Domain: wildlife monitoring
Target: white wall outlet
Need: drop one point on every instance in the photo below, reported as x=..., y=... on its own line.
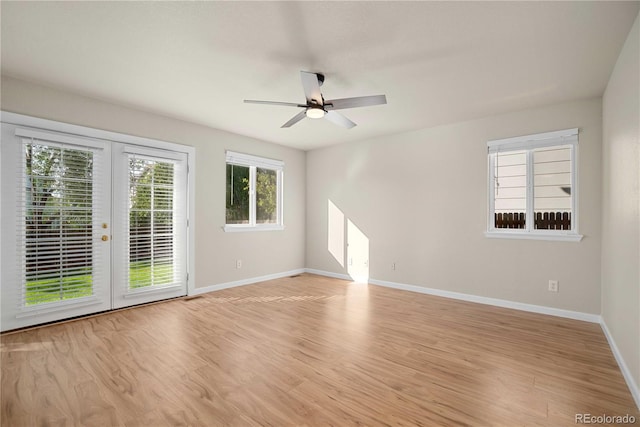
x=238, y=263
x=393, y=265
x=553, y=286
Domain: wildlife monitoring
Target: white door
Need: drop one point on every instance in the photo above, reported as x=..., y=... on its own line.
x=88, y=225
x=150, y=225
x=55, y=215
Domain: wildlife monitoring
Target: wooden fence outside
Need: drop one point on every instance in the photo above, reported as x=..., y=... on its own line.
x=543, y=220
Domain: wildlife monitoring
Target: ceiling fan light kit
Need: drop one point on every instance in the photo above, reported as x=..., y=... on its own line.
x=316, y=107
x=315, y=112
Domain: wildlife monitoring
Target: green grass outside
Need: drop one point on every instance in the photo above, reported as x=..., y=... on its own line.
x=140, y=274
x=80, y=285
x=48, y=290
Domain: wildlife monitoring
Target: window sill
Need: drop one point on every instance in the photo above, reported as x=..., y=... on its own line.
x=572, y=237
x=244, y=228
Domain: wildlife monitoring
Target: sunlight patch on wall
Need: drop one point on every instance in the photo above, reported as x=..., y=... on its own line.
x=357, y=253
x=335, y=232
x=349, y=236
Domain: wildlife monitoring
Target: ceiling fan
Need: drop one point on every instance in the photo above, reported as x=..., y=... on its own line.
x=316, y=106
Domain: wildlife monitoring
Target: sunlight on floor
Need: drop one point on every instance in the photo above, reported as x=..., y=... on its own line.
x=266, y=299
x=357, y=310
x=26, y=346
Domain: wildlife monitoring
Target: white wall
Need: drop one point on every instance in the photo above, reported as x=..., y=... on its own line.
x=262, y=253
x=621, y=205
x=391, y=189
x=421, y=200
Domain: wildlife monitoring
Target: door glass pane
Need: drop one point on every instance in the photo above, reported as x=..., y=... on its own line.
x=266, y=196
x=151, y=223
x=58, y=223
x=510, y=190
x=237, y=194
x=552, y=188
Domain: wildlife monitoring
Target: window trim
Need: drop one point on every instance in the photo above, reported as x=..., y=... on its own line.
x=528, y=143
x=253, y=163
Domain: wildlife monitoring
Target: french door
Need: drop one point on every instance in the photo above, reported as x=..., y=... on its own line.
x=150, y=223
x=88, y=225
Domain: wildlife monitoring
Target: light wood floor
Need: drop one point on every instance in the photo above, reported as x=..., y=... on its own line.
x=311, y=351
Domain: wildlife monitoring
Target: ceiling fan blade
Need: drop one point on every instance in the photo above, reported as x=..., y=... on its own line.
x=311, y=87
x=295, y=119
x=339, y=119
x=286, y=104
x=358, y=101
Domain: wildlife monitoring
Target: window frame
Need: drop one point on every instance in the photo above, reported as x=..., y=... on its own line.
x=254, y=163
x=98, y=277
x=178, y=233
x=528, y=143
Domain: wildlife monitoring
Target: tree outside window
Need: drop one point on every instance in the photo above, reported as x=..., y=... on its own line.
x=253, y=192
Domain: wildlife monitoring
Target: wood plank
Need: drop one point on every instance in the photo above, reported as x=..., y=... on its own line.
x=311, y=351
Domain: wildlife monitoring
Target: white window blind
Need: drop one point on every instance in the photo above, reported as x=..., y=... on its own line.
x=59, y=193
x=156, y=251
x=249, y=160
x=547, y=139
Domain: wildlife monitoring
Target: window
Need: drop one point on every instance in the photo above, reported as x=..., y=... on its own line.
x=57, y=210
x=150, y=242
x=533, y=186
x=152, y=227
x=254, y=193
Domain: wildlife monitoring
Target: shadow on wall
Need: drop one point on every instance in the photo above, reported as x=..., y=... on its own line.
x=343, y=234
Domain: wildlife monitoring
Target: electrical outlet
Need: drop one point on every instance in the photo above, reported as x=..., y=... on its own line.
x=238, y=263
x=553, y=286
x=393, y=265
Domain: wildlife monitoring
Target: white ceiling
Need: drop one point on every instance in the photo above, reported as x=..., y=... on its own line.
x=437, y=62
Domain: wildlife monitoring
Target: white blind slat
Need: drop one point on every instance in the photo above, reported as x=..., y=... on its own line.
x=57, y=140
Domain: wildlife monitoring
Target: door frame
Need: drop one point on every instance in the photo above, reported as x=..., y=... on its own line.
x=8, y=272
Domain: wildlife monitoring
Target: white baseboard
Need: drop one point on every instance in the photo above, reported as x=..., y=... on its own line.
x=328, y=274
x=626, y=373
x=249, y=281
x=577, y=315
